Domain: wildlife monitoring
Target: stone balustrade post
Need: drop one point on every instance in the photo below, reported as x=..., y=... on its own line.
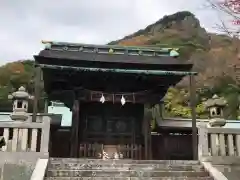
x=202, y=142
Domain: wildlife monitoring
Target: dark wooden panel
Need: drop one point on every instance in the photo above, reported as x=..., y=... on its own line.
x=60, y=143
x=172, y=146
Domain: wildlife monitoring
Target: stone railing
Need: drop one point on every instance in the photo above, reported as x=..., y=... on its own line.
x=26, y=142
x=40, y=170
x=26, y=136
x=219, y=145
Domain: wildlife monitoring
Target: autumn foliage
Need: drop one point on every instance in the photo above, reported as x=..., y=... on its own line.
x=215, y=57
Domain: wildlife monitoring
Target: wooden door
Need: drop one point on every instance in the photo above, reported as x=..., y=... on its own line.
x=113, y=126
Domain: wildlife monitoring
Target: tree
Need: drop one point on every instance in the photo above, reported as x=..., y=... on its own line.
x=230, y=9
x=177, y=104
x=229, y=13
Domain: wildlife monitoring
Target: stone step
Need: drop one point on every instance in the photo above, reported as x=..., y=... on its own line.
x=77, y=166
x=127, y=178
x=121, y=161
x=130, y=173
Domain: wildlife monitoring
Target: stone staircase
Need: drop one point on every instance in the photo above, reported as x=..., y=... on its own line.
x=85, y=169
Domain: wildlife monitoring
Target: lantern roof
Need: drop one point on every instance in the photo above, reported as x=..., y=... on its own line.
x=215, y=101
x=20, y=94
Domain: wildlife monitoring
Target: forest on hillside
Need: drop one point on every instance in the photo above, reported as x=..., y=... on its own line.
x=214, y=56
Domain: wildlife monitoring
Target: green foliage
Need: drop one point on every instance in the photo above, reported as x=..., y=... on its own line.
x=177, y=104
x=177, y=101
x=231, y=92
x=13, y=75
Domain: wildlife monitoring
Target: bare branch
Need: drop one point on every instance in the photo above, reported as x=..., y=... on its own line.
x=230, y=8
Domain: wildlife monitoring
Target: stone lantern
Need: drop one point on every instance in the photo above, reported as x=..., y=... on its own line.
x=215, y=106
x=20, y=104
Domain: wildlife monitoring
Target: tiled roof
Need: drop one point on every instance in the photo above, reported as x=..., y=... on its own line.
x=111, y=49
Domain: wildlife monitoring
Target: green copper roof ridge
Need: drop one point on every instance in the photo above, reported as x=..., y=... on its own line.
x=116, y=70
x=148, y=48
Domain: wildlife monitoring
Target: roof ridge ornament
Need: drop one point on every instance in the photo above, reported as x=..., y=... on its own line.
x=174, y=53
x=48, y=44
x=110, y=51
x=22, y=89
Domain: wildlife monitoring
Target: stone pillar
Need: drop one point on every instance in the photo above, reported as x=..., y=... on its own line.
x=202, y=141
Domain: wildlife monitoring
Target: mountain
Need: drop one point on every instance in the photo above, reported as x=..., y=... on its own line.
x=215, y=57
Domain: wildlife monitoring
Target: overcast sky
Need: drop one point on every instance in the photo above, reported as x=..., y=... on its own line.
x=24, y=23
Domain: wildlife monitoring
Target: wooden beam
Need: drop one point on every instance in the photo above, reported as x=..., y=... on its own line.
x=147, y=98
x=109, y=86
x=194, y=120
x=153, y=97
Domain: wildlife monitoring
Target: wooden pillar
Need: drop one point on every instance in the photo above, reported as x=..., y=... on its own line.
x=149, y=139
x=147, y=131
x=133, y=141
x=74, y=130
x=145, y=139
x=77, y=129
x=36, y=93
x=194, y=120
x=144, y=128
